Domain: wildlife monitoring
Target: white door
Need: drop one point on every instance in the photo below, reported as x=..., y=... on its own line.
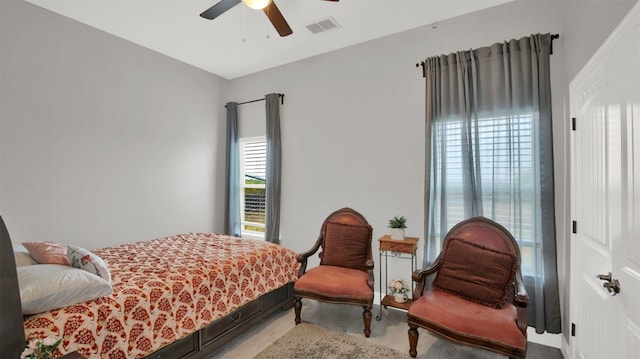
x=605, y=198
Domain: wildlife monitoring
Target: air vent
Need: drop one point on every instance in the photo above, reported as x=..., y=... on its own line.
x=323, y=25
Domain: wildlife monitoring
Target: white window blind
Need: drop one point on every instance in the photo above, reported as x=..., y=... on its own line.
x=503, y=154
x=253, y=160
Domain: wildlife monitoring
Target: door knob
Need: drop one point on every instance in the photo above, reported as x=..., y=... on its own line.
x=612, y=285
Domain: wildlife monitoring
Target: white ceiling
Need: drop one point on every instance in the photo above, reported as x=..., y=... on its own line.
x=242, y=41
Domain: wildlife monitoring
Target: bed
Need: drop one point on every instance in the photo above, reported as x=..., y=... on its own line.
x=176, y=297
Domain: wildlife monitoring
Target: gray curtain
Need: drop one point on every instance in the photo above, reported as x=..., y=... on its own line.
x=274, y=166
x=232, y=219
x=489, y=153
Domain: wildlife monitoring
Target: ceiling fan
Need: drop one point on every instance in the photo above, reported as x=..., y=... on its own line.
x=268, y=6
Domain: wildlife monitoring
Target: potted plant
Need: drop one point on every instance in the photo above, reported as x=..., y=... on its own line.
x=398, y=288
x=41, y=349
x=397, y=225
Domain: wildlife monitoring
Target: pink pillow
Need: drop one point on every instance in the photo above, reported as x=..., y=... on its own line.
x=48, y=252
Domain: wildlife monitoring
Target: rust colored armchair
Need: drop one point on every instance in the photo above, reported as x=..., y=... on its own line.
x=345, y=273
x=477, y=297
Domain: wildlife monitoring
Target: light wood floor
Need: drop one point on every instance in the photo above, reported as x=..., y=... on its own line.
x=390, y=331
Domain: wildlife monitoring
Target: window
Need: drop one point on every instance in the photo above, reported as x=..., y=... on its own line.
x=502, y=156
x=253, y=161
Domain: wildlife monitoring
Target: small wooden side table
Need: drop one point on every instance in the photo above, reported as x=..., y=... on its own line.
x=404, y=249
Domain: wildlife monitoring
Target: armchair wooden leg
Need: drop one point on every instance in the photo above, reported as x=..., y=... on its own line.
x=413, y=340
x=366, y=315
x=297, y=305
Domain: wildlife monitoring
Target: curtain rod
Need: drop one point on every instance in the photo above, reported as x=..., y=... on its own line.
x=553, y=37
x=281, y=95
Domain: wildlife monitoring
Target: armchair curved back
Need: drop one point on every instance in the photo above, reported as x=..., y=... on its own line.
x=353, y=224
x=486, y=233
x=344, y=215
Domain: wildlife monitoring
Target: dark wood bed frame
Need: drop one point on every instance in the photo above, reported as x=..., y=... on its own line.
x=210, y=338
x=197, y=345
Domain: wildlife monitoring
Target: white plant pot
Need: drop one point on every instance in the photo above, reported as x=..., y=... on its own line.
x=397, y=233
x=399, y=297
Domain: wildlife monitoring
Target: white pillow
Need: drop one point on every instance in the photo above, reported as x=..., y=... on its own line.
x=50, y=286
x=89, y=261
x=22, y=256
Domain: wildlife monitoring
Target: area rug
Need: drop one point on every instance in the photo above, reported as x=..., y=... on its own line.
x=311, y=341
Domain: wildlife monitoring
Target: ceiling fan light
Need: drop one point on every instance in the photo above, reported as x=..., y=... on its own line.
x=256, y=4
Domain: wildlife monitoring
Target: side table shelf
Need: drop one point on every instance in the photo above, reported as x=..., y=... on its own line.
x=388, y=301
x=402, y=249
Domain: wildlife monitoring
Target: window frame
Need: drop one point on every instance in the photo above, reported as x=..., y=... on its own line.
x=243, y=186
x=451, y=127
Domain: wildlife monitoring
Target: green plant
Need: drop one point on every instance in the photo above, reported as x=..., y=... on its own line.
x=41, y=349
x=398, y=222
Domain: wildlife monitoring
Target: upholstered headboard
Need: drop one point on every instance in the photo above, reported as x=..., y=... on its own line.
x=12, y=338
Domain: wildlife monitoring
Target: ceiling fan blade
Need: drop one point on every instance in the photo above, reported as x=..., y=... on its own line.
x=278, y=21
x=219, y=9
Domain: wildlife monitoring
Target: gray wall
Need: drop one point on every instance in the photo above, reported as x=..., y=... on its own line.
x=353, y=122
x=102, y=141
x=353, y=119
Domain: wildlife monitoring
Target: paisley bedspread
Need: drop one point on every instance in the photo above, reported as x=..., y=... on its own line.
x=164, y=290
